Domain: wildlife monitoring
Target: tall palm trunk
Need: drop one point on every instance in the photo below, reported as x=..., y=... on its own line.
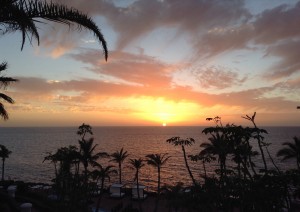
x=101, y=194
x=187, y=165
x=3, y=161
x=158, y=189
x=158, y=181
x=204, y=168
x=120, y=173
x=138, y=189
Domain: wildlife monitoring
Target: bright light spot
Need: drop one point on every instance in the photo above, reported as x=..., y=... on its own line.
x=164, y=111
x=164, y=124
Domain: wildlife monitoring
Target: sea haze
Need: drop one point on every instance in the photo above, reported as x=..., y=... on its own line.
x=29, y=146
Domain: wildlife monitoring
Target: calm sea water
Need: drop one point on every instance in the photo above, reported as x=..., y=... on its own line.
x=29, y=146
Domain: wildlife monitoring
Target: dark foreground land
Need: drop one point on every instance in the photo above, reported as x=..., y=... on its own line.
x=41, y=203
x=39, y=198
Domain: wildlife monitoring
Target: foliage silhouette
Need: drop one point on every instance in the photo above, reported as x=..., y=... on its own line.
x=177, y=141
x=157, y=161
x=292, y=150
x=4, y=82
x=137, y=164
x=101, y=173
x=119, y=157
x=4, y=153
x=23, y=15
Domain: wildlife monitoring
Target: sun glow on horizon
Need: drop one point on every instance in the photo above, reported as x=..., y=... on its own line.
x=160, y=110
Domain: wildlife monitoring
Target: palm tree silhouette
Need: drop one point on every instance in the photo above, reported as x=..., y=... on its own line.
x=87, y=148
x=88, y=155
x=5, y=81
x=157, y=161
x=291, y=151
x=102, y=173
x=119, y=157
x=204, y=157
x=23, y=15
x=137, y=164
x=4, y=153
x=65, y=157
x=177, y=141
x=218, y=146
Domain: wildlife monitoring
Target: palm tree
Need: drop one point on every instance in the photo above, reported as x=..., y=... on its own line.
x=218, y=146
x=291, y=151
x=119, y=157
x=87, y=148
x=4, y=153
x=102, y=173
x=23, y=15
x=87, y=155
x=4, y=81
x=137, y=164
x=205, y=157
x=177, y=141
x=65, y=157
x=157, y=161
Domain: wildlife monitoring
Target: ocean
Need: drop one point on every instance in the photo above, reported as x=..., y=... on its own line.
x=29, y=146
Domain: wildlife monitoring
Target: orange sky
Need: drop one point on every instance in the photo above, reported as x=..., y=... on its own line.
x=189, y=61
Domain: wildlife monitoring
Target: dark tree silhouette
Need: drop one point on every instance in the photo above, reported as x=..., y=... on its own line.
x=137, y=164
x=259, y=138
x=4, y=153
x=204, y=157
x=157, y=161
x=83, y=130
x=218, y=146
x=177, y=141
x=23, y=15
x=119, y=157
x=292, y=150
x=102, y=173
x=5, y=81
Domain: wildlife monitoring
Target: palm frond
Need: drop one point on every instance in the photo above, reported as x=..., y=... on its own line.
x=62, y=14
x=3, y=112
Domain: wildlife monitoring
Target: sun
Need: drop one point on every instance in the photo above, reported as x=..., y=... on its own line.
x=164, y=124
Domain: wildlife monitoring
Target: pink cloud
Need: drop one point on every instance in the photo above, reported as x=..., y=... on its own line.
x=90, y=90
x=138, y=69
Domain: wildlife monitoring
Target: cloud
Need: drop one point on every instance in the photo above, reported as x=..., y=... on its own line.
x=129, y=68
x=86, y=94
x=58, y=39
x=217, y=77
x=137, y=19
x=289, y=64
x=277, y=24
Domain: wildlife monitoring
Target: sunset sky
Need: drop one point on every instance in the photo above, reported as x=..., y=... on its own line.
x=170, y=61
